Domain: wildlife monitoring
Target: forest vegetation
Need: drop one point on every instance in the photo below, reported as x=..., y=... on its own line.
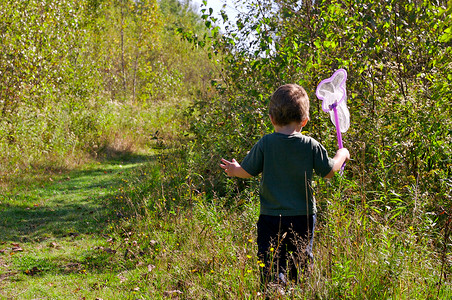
x=139, y=100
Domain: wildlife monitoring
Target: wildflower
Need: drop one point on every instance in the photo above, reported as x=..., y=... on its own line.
x=272, y=249
x=248, y=256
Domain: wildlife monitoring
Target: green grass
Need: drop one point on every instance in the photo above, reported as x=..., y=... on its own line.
x=108, y=231
x=52, y=232
x=134, y=228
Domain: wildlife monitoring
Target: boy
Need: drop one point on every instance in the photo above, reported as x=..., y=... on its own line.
x=286, y=159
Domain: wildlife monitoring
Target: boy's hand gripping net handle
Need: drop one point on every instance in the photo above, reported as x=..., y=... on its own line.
x=332, y=92
x=338, y=132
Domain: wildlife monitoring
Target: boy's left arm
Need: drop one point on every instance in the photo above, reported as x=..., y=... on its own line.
x=233, y=169
x=342, y=155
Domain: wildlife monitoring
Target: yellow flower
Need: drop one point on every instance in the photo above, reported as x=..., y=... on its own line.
x=261, y=265
x=272, y=249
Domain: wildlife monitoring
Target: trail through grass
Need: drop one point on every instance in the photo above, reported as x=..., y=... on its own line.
x=132, y=228
x=52, y=232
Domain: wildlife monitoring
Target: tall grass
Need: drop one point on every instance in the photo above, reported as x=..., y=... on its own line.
x=61, y=138
x=168, y=238
x=197, y=246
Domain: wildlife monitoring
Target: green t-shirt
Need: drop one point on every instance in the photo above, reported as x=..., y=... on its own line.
x=287, y=163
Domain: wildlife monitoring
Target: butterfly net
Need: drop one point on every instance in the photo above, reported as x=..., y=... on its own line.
x=333, y=93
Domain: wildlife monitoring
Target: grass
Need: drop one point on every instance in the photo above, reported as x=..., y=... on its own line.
x=132, y=228
x=52, y=230
x=79, y=235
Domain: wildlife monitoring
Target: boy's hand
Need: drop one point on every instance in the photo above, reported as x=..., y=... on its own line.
x=233, y=169
x=342, y=155
x=343, y=152
x=229, y=166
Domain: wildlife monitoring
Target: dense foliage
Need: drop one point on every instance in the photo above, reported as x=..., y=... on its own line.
x=397, y=55
x=398, y=62
x=78, y=76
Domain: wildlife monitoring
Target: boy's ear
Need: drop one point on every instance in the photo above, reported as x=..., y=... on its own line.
x=304, y=122
x=271, y=119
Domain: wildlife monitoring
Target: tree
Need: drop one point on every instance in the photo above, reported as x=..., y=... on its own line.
x=398, y=64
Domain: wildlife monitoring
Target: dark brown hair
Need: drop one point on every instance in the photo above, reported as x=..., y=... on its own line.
x=289, y=103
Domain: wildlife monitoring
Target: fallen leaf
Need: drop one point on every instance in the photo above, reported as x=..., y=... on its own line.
x=72, y=267
x=172, y=294
x=53, y=245
x=150, y=268
x=32, y=271
x=121, y=278
x=110, y=251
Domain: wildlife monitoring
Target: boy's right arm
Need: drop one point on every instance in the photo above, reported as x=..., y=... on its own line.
x=233, y=169
x=342, y=155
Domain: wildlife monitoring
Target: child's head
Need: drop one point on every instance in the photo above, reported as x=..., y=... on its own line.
x=289, y=103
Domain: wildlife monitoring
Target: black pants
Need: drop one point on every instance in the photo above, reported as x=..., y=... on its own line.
x=285, y=245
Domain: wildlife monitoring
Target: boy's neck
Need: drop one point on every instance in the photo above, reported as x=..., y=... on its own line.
x=288, y=129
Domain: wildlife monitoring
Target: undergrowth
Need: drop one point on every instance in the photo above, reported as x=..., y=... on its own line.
x=156, y=236
x=197, y=246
